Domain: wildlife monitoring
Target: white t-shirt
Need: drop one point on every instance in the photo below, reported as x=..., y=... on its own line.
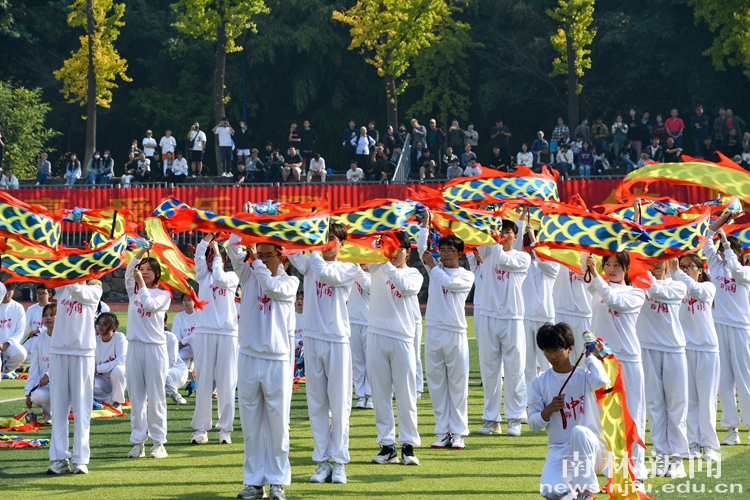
x=732, y=304
x=218, y=288
x=38, y=360
x=180, y=167
x=570, y=295
x=658, y=325
x=225, y=136
x=112, y=353
x=34, y=317
x=183, y=326
x=168, y=144
x=74, y=333
x=317, y=165
x=355, y=175
x=12, y=322
x=358, y=305
x=614, y=312
x=472, y=172
x=146, y=309
x=537, y=290
x=696, y=314
x=503, y=275
x=526, y=159
x=446, y=299
x=392, y=291
x=149, y=146
x=200, y=140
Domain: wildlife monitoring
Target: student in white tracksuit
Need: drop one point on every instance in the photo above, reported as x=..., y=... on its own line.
x=665, y=370
x=577, y=450
x=12, y=324
x=446, y=351
x=214, y=344
x=147, y=362
x=391, y=364
x=499, y=331
x=572, y=302
x=178, y=371
x=71, y=369
x=732, y=321
x=37, y=385
x=614, y=311
x=358, y=308
x=265, y=383
x=34, y=317
x=328, y=360
x=702, y=352
x=110, y=380
x=183, y=326
x=539, y=306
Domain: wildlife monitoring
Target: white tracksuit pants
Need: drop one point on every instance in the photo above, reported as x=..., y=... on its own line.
x=446, y=360
x=666, y=379
x=534, y=355
x=146, y=366
x=41, y=399
x=358, y=345
x=186, y=353
x=177, y=377
x=328, y=370
x=502, y=350
x=418, y=356
x=632, y=374
x=264, y=389
x=215, y=358
x=110, y=387
x=391, y=366
x=734, y=356
x=71, y=384
x=578, y=324
x=12, y=358
x=703, y=386
x=562, y=474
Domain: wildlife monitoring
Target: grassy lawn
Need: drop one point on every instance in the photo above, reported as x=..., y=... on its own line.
x=491, y=466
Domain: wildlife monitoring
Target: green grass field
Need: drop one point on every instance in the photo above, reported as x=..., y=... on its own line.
x=491, y=466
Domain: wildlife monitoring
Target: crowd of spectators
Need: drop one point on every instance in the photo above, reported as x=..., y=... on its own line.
x=630, y=142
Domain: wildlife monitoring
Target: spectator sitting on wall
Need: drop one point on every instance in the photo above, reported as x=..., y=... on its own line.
x=179, y=169
x=317, y=168
x=655, y=151
x=106, y=168
x=525, y=157
x=373, y=172
x=545, y=157
x=240, y=175
x=454, y=170
x=9, y=180
x=72, y=170
x=292, y=166
x=92, y=169
x=274, y=166
x=565, y=162
x=143, y=169
x=472, y=169
x=254, y=167
x=354, y=174
x=449, y=158
x=672, y=153
x=497, y=160
x=43, y=170
x=732, y=145
x=467, y=156
x=166, y=170
x=427, y=169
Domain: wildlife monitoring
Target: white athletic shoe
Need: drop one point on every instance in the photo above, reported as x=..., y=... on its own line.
x=252, y=492
x=710, y=454
x=659, y=466
x=514, y=427
x=695, y=451
x=361, y=403
x=199, y=437
x=178, y=399
x=457, y=442
x=277, y=492
x=490, y=428
x=225, y=437
x=80, y=469
x=407, y=455
x=368, y=404
x=387, y=455
x=138, y=451
x=322, y=473
x=441, y=441
x=338, y=474
x=733, y=437
x=525, y=421
x=677, y=469
x=158, y=451
x=58, y=467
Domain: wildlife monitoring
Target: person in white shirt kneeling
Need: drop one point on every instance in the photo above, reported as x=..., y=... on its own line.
x=111, y=352
x=37, y=385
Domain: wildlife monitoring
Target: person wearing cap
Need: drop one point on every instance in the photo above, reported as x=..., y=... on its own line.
x=149, y=145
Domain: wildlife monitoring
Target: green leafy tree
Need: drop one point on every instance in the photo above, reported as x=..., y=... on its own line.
x=394, y=32
x=22, y=115
x=574, y=35
x=730, y=19
x=220, y=21
x=89, y=75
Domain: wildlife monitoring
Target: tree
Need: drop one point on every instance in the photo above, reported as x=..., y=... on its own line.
x=89, y=75
x=395, y=31
x=220, y=21
x=22, y=114
x=731, y=18
x=573, y=37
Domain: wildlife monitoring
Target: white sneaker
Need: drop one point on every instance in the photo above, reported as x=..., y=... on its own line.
x=457, y=442
x=138, y=451
x=441, y=441
x=322, y=473
x=252, y=492
x=80, y=469
x=178, y=399
x=225, y=437
x=710, y=454
x=199, y=437
x=338, y=474
x=659, y=466
x=733, y=437
x=677, y=469
x=695, y=451
x=525, y=421
x=277, y=492
x=514, y=427
x=368, y=403
x=361, y=402
x=158, y=451
x=387, y=455
x=490, y=428
x=407, y=455
x=58, y=467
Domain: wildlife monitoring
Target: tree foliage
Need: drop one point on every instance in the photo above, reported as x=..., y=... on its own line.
x=573, y=37
x=23, y=114
x=731, y=20
x=108, y=65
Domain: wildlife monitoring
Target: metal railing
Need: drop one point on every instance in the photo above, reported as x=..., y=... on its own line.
x=404, y=163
